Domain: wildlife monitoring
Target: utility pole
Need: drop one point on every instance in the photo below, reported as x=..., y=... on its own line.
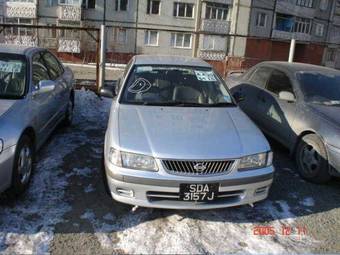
x=136, y=25
x=292, y=51
x=102, y=57
x=104, y=14
x=197, y=28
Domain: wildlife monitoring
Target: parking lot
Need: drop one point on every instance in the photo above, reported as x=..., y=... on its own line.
x=67, y=211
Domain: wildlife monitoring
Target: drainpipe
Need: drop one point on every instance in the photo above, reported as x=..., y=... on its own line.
x=197, y=28
x=104, y=13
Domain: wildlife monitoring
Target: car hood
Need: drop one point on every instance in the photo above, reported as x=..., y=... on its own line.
x=331, y=113
x=188, y=132
x=5, y=105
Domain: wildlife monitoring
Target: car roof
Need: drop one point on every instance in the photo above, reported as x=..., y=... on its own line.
x=17, y=49
x=297, y=67
x=169, y=60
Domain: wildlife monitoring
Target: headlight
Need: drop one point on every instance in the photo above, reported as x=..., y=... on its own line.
x=256, y=161
x=131, y=160
x=1, y=145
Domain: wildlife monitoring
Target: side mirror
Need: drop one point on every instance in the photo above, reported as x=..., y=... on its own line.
x=107, y=91
x=45, y=86
x=287, y=96
x=239, y=97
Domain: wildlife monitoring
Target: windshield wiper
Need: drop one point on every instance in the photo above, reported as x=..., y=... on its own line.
x=221, y=104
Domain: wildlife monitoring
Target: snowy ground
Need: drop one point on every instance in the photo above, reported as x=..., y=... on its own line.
x=67, y=211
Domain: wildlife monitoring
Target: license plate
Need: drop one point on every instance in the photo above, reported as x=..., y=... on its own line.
x=198, y=192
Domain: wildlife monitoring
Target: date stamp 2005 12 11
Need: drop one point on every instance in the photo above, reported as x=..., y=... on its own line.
x=285, y=230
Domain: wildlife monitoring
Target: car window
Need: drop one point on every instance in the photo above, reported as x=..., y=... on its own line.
x=13, y=70
x=39, y=70
x=52, y=65
x=260, y=76
x=322, y=87
x=174, y=85
x=279, y=82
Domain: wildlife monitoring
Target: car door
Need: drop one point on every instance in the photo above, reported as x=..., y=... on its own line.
x=44, y=103
x=277, y=115
x=61, y=90
x=250, y=89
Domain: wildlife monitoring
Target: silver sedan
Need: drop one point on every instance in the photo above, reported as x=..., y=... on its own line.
x=177, y=139
x=36, y=94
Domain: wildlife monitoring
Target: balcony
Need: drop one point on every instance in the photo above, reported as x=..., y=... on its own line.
x=68, y=45
x=20, y=10
x=212, y=55
x=215, y=26
x=24, y=40
x=278, y=34
x=290, y=7
x=69, y=12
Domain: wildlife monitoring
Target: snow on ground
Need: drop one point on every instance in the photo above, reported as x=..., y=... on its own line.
x=28, y=225
x=308, y=201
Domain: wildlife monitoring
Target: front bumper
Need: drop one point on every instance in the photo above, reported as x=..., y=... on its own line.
x=6, y=166
x=334, y=159
x=161, y=190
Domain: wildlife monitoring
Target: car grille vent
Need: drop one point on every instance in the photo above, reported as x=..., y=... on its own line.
x=197, y=168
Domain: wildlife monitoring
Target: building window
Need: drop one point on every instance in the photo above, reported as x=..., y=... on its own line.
x=330, y=55
x=305, y=3
x=122, y=5
x=69, y=2
x=323, y=5
x=284, y=22
x=216, y=11
x=302, y=25
x=89, y=4
x=181, y=40
x=23, y=31
x=151, y=38
x=154, y=7
x=183, y=10
x=261, y=19
x=319, y=29
x=120, y=35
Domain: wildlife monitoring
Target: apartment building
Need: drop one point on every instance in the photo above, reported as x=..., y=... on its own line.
x=262, y=29
x=273, y=23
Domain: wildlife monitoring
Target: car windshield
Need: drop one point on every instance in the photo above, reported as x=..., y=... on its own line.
x=320, y=87
x=12, y=76
x=175, y=86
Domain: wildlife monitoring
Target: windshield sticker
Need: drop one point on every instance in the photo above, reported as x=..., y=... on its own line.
x=10, y=67
x=141, y=85
x=143, y=69
x=205, y=75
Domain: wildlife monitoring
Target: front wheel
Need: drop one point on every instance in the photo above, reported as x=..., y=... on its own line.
x=312, y=160
x=23, y=165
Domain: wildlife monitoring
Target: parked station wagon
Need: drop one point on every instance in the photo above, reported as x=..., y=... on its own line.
x=36, y=94
x=177, y=139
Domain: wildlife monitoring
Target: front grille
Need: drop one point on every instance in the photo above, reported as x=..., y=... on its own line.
x=180, y=167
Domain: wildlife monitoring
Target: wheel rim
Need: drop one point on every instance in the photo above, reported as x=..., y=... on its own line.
x=70, y=111
x=310, y=160
x=25, y=164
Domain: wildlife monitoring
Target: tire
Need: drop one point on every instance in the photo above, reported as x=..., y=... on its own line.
x=69, y=113
x=312, y=159
x=23, y=166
